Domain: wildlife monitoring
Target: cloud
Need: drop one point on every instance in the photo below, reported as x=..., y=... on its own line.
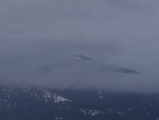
x=38, y=40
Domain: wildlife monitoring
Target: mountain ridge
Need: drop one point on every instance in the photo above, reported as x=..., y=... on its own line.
x=51, y=104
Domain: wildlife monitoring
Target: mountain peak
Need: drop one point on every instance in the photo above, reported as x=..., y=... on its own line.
x=82, y=57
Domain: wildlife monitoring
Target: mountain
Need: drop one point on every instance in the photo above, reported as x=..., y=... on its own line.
x=86, y=63
x=102, y=66
x=27, y=103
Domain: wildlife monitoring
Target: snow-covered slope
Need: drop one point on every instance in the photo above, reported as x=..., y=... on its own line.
x=17, y=103
x=47, y=95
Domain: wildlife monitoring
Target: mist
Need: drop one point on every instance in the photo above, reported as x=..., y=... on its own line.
x=44, y=43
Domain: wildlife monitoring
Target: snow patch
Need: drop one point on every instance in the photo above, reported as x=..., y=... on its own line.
x=57, y=99
x=91, y=112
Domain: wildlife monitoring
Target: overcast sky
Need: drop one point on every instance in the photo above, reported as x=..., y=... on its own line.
x=38, y=39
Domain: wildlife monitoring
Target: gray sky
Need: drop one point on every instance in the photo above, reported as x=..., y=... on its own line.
x=40, y=38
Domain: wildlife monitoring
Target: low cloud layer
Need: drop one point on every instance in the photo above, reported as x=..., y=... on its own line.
x=40, y=40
